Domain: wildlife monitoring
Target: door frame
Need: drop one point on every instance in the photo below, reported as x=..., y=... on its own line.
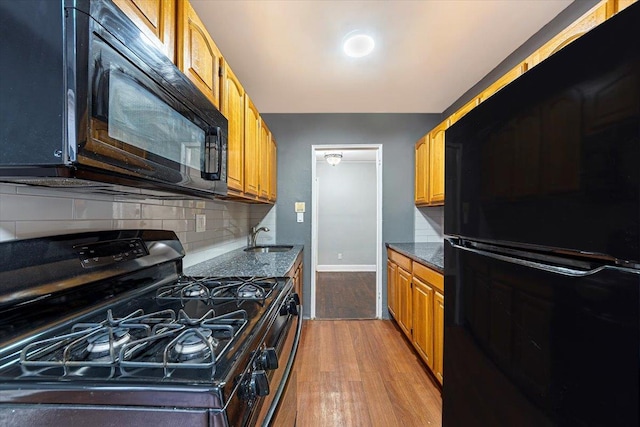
x=314, y=218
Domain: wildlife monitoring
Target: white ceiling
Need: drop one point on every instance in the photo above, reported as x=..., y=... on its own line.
x=288, y=54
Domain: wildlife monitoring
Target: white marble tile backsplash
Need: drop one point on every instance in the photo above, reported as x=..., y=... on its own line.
x=27, y=212
x=429, y=224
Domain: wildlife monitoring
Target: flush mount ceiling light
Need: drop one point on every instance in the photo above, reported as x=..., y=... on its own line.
x=333, y=158
x=357, y=45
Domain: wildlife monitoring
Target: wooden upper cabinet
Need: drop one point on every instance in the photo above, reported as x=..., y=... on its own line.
x=622, y=4
x=462, y=111
x=594, y=17
x=422, y=162
x=233, y=108
x=156, y=19
x=273, y=170
x=510, y=76
x=264, y=159
x=436, y=164
x=252, y=136
x=198, y=56
x=429, y=173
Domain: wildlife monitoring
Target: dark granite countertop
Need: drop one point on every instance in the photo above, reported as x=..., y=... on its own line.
x=240, y=263
x=429, y=254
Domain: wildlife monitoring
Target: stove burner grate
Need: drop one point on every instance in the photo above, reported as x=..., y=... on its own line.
x=218, y=290
x=90, y=344
x=184, y=344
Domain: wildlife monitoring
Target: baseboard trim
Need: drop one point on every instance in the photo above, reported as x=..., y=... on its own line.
x=345, y=268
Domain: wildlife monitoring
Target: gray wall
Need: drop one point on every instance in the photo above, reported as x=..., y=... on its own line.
x=296, y=133
x=346, y=213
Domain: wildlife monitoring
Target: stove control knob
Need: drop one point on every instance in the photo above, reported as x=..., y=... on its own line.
x=259, y=384
x=296, y=298
x=268, y=359
x=291, y=305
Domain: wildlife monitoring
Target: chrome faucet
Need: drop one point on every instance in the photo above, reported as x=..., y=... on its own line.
x=254, y=234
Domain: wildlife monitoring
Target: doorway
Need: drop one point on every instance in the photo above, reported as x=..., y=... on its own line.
x=346, y=242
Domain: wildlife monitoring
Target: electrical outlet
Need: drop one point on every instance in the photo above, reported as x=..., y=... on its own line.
x=339, y=255
x=201, y=223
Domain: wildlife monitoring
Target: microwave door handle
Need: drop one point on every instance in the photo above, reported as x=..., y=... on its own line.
x=564, y=271
x=211, y=169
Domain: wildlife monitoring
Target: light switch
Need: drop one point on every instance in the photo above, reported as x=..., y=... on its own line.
x=299, y=207
x=300, y=217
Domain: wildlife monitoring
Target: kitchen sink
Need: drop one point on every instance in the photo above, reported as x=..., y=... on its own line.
x=269, y=248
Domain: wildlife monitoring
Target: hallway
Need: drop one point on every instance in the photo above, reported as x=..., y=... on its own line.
x=346, y=295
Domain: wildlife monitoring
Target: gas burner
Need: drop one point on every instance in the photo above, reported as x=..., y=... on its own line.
x=183, y=291
x=100, y=344
x=240, y=289
x=195, y=290
x=250, y=291
x=194, y=343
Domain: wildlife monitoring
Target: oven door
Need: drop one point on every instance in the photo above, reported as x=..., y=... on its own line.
x=143, y=118
x=284, y=337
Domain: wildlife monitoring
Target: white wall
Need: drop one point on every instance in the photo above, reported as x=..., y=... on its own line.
x=429, y=224
x=346, y=215
x=27, y=212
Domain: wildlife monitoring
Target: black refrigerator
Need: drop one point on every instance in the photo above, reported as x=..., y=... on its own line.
x=542, y=242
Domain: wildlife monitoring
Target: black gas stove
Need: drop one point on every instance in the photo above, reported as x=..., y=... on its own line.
x=103, y=328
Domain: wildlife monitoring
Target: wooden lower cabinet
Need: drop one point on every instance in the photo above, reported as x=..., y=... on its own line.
x=438, y=336
x=415, y=295
x=392, y=288
x=423, y=323
x=405, y=315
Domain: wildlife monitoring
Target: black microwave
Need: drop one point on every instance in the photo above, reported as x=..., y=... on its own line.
x=90, y=103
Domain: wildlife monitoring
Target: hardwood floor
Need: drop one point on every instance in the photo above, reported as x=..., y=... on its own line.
x=362, y=373
x=346, y=295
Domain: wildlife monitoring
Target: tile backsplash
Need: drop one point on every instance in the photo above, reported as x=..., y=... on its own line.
x=27, y=212
x=429, y=224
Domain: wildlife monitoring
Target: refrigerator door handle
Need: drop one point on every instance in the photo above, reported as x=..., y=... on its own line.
x=565, y=271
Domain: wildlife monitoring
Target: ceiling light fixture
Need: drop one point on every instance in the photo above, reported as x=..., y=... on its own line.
x=357, y=45
x=333, y=158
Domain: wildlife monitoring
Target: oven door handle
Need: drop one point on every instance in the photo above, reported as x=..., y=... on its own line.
x=287, y=372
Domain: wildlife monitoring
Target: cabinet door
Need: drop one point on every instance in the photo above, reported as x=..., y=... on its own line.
x=404, y=301
x=273, y=170
x=392, y=289
x=264, y=159
x=156, y=19
x=436, y=165
x=623, y=4
x=462, y=111
x=423, y=334
x=438, y=336
x=507, y=78
x=422, y=165
x=594, y=17
x=233, y=109
x=198, y=56
x=251, y=147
